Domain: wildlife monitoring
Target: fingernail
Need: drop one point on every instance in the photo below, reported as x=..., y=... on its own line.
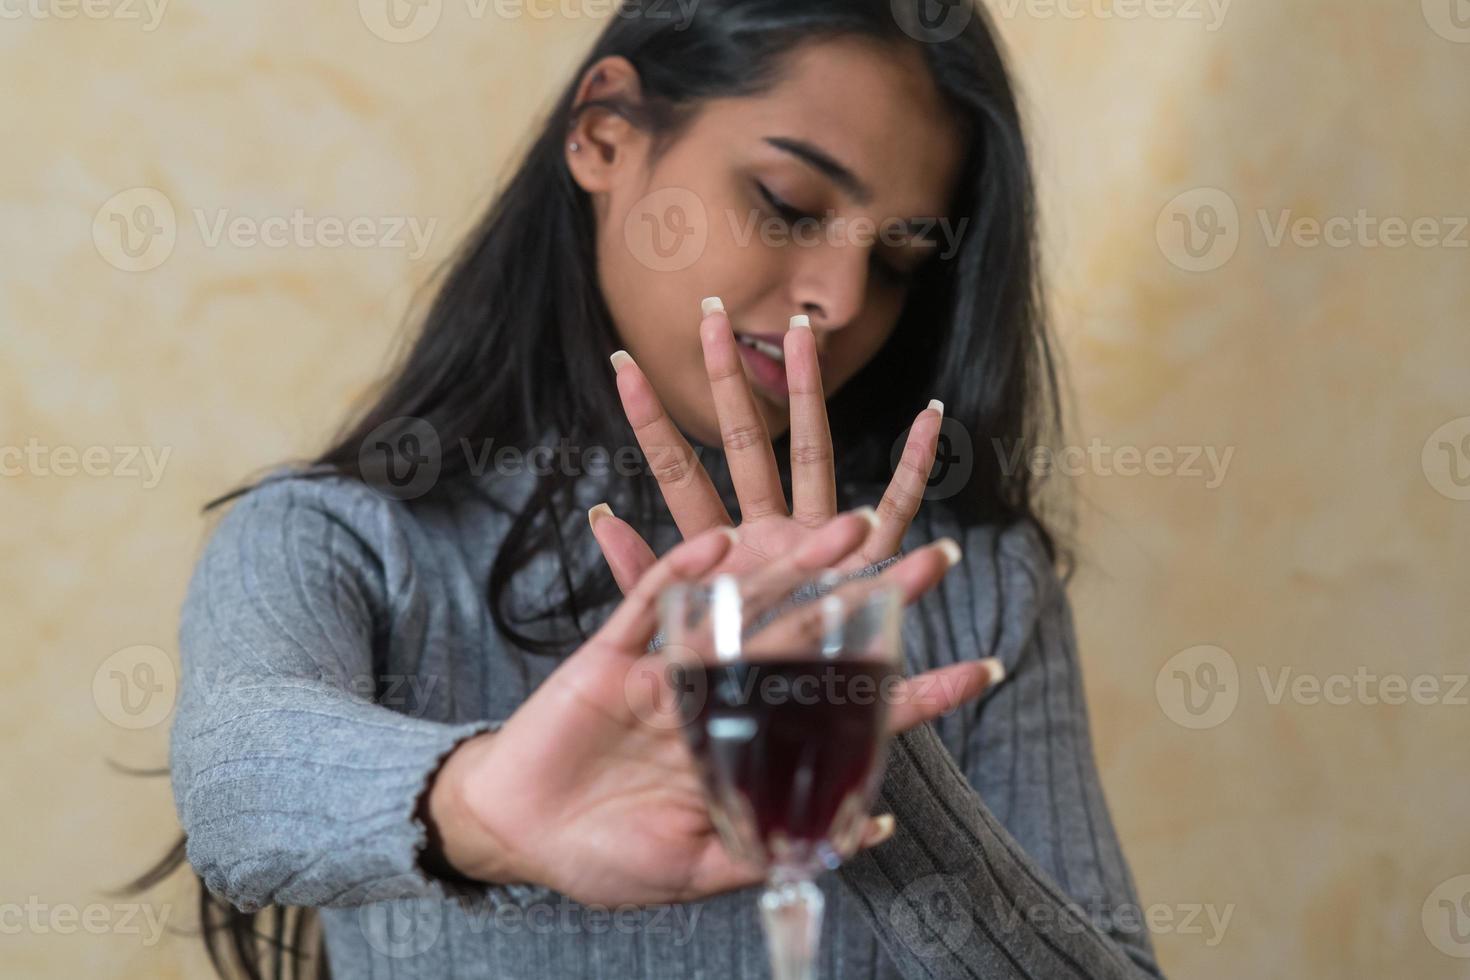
x=937, y=405
x=950, y=550
x=620, y=358
x=995, y=669
x=868, y=514
x=881, y=829
x=711, y=304
x=801, y=322
x=598, y=513
x=731, y=533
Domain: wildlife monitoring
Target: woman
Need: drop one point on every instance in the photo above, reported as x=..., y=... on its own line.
x=405, y=664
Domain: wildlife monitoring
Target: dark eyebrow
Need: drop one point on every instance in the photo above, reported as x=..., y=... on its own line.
x=823, y=161
x=847, y=180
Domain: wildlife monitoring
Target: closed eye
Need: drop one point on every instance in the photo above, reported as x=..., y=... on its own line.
x=892, y=274
x=786, y=211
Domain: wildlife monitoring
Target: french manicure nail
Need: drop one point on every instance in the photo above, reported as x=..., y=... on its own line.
x=868, y=514
x=620, y=358
x=995, y=669
x=950, y=550
x=732, y=534
x=937, y=405
x=598, y=513
x=881, y=829
x=801, y=322
x=711, y=304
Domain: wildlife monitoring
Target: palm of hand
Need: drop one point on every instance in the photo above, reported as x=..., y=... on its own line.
x=611, y=762
x=763, y=539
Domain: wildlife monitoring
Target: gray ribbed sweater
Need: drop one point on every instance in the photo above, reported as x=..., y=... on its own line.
x=336, y=644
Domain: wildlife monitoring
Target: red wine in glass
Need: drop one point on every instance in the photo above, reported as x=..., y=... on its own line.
x=783, y=685
x=788, y=748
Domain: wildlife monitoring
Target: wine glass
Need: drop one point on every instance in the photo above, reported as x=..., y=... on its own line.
x=783, y=689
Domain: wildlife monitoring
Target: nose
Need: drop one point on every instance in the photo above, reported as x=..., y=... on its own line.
x=829, y=282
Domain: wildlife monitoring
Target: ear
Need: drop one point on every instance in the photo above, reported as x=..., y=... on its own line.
x=607, y=144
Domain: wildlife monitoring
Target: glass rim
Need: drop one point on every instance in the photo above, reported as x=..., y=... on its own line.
x=734, y=625
x=829, y=576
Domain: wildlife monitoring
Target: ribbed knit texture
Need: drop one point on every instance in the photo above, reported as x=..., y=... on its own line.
x=336, y=644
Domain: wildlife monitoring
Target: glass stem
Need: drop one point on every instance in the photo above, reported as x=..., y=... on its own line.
x=791, y=912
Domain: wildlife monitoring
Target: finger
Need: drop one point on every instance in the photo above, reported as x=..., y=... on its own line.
x=742, y=429
x=937, y=692
x=771, y=586
x=906, y=490
x=626, y=553
x=921, y=570
x=717, y=872
x=635, y=620
x=824, y=548
x=682, y=479
x=879, y=829
x=811, y=625
x=813, y=484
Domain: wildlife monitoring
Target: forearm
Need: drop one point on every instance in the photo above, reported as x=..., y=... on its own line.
x=953, y=894
x=1006, y=863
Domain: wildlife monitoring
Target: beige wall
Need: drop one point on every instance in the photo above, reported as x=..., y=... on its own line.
x=1330, y=546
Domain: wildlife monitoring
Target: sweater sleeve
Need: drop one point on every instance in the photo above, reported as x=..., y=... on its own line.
x=293, y=785
x=1006, y=865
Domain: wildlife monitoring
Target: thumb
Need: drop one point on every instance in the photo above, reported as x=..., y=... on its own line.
x=879, y=830
x=623, y=548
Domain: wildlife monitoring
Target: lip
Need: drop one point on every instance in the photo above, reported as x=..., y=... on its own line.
x=767, y=374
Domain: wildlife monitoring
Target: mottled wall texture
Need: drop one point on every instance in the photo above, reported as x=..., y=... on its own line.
x=1255, y=220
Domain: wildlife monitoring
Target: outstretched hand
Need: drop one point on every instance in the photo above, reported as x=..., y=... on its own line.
x=585, y=789
x=766, y=524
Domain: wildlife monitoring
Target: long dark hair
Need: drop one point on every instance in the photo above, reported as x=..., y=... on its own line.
x=515, y=343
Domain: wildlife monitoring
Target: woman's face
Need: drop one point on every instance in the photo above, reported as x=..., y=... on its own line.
x=855, y=138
